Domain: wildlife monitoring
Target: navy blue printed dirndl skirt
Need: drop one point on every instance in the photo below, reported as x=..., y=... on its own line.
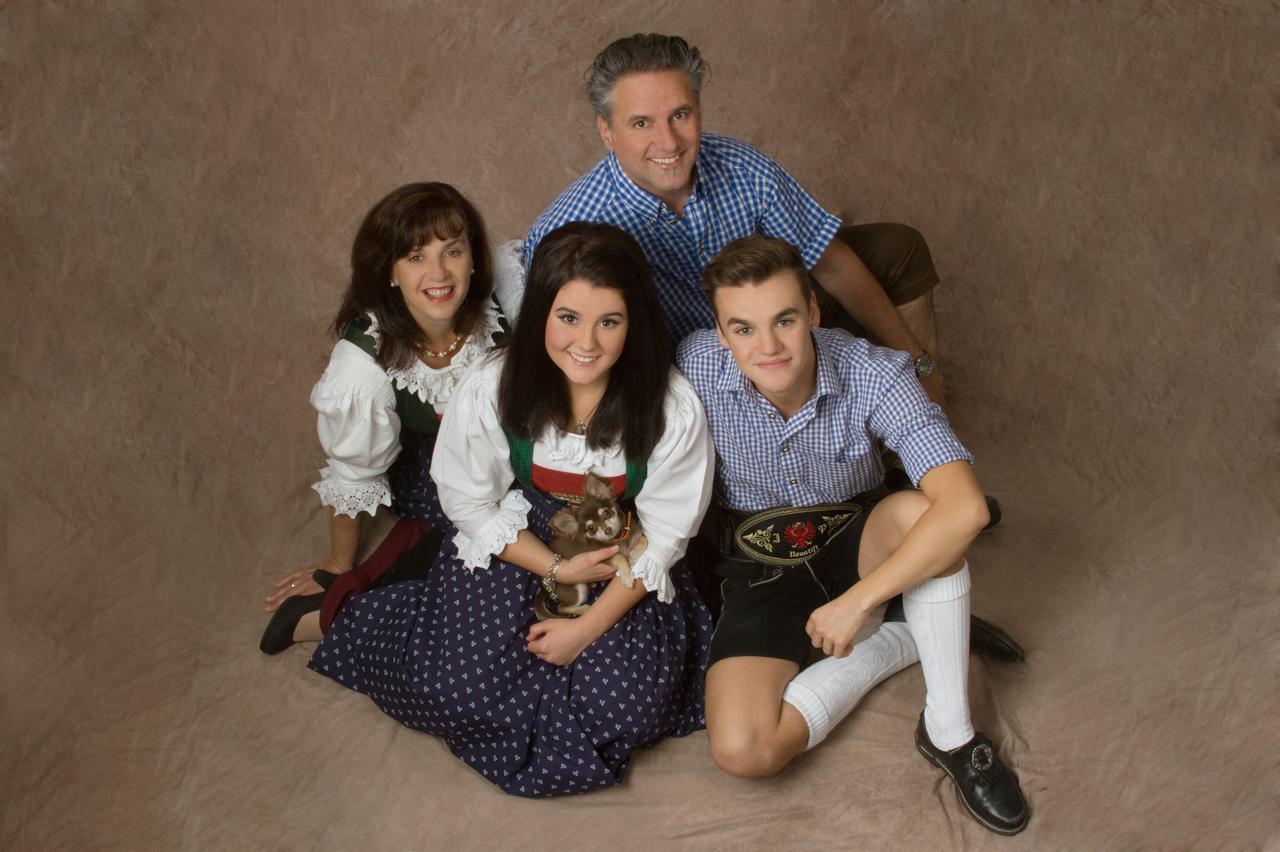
x=413, y=493
x=446, y=655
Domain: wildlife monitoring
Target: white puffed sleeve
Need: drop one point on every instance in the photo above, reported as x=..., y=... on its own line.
x=471, y=467
x=677, y=489
x=359, y=430
x=508, y=278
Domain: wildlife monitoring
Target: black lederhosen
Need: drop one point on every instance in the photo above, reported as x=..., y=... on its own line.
x=765, y=608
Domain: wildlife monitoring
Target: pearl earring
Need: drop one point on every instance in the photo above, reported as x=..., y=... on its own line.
x=393, y=283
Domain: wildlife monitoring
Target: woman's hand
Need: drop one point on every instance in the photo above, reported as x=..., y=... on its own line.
x=588, y=567
x=559, y=641
x=300, y=582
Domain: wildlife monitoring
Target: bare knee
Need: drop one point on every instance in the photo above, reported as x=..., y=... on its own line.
x=905, y=510
x=746, y=754
x=888, y=525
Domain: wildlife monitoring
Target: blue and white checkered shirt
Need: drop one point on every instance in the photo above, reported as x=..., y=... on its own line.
x=827, y=451
x=737, y=191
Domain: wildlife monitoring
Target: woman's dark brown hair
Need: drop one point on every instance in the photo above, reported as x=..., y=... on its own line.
x=533, y=393
x=407, y=219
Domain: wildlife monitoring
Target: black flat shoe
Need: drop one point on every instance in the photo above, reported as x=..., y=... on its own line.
x=988, y=791
x=985, y=639
x=279, y=633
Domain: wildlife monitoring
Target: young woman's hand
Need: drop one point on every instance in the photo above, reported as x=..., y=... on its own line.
x=300, y=582
x=559, y=641
x=587, y=567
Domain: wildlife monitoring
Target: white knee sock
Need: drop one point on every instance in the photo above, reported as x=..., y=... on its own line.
x=937, y=612
x=825, y=692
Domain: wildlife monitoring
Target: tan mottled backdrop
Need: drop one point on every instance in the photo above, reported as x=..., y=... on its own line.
x=180, y=186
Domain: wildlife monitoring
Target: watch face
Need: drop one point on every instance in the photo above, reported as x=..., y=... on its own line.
x=924, y=366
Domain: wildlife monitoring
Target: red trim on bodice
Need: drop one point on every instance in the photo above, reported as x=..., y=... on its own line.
x=567, y=487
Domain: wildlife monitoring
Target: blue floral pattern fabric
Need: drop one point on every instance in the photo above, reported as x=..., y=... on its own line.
x=446, y=655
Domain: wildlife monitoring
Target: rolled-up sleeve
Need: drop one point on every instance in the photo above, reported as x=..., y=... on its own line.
x=913, y=426
x=793, y=215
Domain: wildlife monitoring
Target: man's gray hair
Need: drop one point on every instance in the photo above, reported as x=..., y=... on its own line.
x=637, y=54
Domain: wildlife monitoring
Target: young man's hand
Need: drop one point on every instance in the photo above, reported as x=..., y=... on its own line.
x=832, y=626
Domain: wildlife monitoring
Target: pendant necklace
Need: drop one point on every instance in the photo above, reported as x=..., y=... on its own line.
x=581, y=428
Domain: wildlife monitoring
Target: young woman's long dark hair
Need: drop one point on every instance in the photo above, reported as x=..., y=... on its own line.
x=533, y=392
x=408, y=218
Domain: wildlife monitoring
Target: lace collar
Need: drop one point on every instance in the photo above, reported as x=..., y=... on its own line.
x=436, y=386
x=571, y=449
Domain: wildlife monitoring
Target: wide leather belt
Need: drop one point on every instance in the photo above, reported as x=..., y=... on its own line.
x=786, y=535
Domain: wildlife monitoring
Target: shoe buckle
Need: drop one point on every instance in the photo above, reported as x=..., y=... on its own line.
x=982, y=757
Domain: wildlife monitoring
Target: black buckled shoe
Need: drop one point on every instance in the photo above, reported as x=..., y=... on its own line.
x=985, y=639
x=988, y=791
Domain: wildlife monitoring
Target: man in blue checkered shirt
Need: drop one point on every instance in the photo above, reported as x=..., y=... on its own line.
x=811, y=546
x=684, y=195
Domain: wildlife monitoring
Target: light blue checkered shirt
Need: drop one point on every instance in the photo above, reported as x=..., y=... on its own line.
x=737, y=191
x=826, y=452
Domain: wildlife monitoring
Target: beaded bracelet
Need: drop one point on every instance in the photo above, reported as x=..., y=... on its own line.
x=549, y=581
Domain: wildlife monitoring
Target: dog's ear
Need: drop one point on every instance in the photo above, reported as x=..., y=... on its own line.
x=598, y=488
x=564, y=522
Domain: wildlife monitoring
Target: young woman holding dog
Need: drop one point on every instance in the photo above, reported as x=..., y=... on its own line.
x=585, y=382
x=416, y=315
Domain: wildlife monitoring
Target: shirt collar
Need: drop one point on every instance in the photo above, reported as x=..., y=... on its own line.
x=828, y=376
x=733, y=380
x=646, y=203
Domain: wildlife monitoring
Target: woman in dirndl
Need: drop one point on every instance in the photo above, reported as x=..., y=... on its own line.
x=416, y=315
x=585, y=383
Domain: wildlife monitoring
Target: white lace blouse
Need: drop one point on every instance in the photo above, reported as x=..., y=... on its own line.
x=476, y=483
x=355, y=404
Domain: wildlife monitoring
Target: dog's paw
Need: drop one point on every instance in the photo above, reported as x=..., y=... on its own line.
x=622, y=567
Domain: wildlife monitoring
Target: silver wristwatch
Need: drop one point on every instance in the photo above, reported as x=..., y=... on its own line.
x=924, y=365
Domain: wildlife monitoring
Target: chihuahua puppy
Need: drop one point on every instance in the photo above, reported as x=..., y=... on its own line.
x=594, y=523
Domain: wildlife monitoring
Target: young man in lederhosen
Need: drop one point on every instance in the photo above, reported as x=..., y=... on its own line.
x=811, y=546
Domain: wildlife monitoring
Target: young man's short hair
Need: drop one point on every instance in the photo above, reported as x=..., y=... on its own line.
x=751, y=260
